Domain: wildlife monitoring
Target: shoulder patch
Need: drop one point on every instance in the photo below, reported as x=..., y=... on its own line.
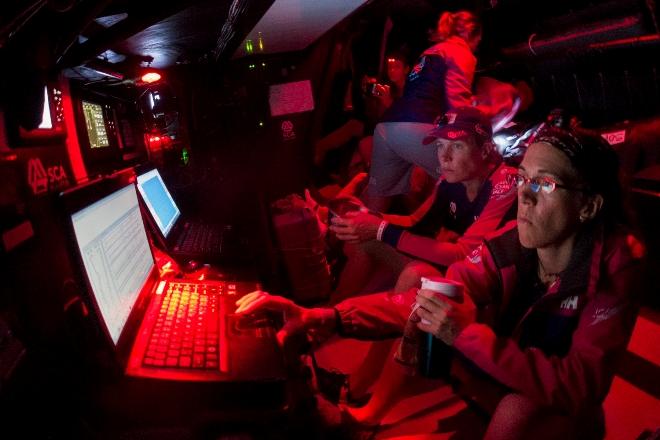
x=502, y=183
x=603, y=314
x=452, y=208
x=475, y=256
x=501, y=190
x=414, y=73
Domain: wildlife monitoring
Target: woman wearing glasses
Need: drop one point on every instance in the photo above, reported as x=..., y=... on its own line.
x=551, y=301
x=555, y=296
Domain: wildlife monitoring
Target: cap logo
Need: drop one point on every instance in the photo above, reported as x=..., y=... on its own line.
x=456, y=134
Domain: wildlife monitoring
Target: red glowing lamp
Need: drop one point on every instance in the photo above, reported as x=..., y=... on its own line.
x=150, y=77
x=157, y=142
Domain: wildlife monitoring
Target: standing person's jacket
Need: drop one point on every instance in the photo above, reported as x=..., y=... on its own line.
x=441, y=80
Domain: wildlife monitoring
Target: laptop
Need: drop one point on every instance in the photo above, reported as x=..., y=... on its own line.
x=182, y=237
x=172, y=329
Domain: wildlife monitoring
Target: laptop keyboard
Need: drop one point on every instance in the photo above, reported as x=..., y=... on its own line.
x=200, y=238
x=186, y=333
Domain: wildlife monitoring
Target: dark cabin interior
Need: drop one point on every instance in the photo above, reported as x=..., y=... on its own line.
x=210, y=126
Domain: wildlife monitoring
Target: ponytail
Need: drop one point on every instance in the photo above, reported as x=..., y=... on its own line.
x=445, y=26
x=462, y=23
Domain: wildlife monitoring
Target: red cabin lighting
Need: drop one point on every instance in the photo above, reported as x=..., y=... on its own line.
x=151, y=77
x=157, y=142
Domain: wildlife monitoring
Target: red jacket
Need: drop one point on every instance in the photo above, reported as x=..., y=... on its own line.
x=587, y=317
x=587, y=322
x=461, y=64
x=440, y=80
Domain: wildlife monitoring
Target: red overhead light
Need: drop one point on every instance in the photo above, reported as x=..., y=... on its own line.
x=157, y=142
x=150, y=77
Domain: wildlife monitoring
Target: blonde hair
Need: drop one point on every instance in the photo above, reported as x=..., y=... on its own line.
x=462, y=23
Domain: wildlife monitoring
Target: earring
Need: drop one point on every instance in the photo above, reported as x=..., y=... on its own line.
x=582, y=219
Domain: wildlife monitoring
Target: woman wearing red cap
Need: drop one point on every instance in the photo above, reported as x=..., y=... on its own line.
x=473, y=198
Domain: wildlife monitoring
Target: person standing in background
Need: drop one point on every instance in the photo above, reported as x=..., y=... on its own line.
x=441, y=80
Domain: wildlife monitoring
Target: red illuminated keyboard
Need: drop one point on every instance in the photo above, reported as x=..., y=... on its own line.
x=186, y=333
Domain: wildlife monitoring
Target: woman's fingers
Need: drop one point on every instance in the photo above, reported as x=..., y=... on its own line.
x=344, y=229
x=348, y=237
x=340, y=229
x=257, y=300
x=432, y=311
x=431, y=322
x=249, y=297
x=431, y=300
x=352, y=214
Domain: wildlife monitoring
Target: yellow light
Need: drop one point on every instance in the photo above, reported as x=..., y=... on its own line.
x=151, y=77
x=260, y=42
x=261, y=124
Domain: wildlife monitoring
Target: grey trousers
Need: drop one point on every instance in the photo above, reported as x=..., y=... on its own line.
x=397, y=148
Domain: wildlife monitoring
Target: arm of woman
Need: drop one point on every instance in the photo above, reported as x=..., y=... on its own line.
x=297, y=319
x=368, y=317
x=356, y=226
x=376, y=316
x=407, y=221
x=583, y=376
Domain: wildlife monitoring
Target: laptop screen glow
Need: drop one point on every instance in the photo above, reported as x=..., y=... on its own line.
x=115, y=252
x=159, y=201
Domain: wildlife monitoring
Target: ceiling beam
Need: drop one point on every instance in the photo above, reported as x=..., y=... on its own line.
x=85, y=14
x=16, y=23
x=148, y=14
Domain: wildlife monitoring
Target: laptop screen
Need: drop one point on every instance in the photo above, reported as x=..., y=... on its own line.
x=116, y=255
x=158, y=200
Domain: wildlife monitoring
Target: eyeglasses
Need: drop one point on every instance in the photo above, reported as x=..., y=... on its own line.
x=536, y=184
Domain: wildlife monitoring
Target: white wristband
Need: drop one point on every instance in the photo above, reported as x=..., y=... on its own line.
x=381, y=228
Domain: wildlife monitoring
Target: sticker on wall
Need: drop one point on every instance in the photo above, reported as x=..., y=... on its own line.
x=288, y=98
x=288, y=134
x=42, y=180
x=37, y=177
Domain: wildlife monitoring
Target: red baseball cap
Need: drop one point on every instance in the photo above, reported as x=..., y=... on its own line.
x=461, y=123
